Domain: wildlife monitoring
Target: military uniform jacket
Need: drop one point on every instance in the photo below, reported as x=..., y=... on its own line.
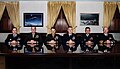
x=37, y=38
x=67, y=37
x=10, y=38
x=86, y=38
x=104, y=37
x=56, y=38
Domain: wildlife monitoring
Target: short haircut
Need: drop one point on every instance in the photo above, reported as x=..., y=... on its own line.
x=52, y=27
x=34, y=27
x=69, y=26
x=87, y=28
x=105, y=27
x=14, y=28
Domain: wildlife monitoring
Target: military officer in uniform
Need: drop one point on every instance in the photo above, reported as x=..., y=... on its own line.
x=34, y=41
x=14, y=41
x=88, y=41
x=106, y=39
x=70, y=40
x=53, y=41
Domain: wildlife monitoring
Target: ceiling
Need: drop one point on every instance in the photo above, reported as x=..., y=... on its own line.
x=60, y=0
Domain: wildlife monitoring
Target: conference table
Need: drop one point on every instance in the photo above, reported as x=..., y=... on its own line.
x=61, y=60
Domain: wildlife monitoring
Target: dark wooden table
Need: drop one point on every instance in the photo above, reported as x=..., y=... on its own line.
x=61, y=60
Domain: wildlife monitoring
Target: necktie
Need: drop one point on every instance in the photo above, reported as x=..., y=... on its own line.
x=14, y=35
x=87, y=35
x=33, y=35
x=106, y=34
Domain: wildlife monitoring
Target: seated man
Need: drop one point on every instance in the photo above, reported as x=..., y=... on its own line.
x=14, y=41
x=88, y=41
x=69, y=40
x=34, y=41
x=105, y=47
x=106, y=39
x=53, y=41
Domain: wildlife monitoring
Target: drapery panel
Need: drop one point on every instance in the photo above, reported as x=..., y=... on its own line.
x=118, y=4
x=53, y=12
x=69, y=9
x=2, y=7
x=13, y=12
x=109, y=11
